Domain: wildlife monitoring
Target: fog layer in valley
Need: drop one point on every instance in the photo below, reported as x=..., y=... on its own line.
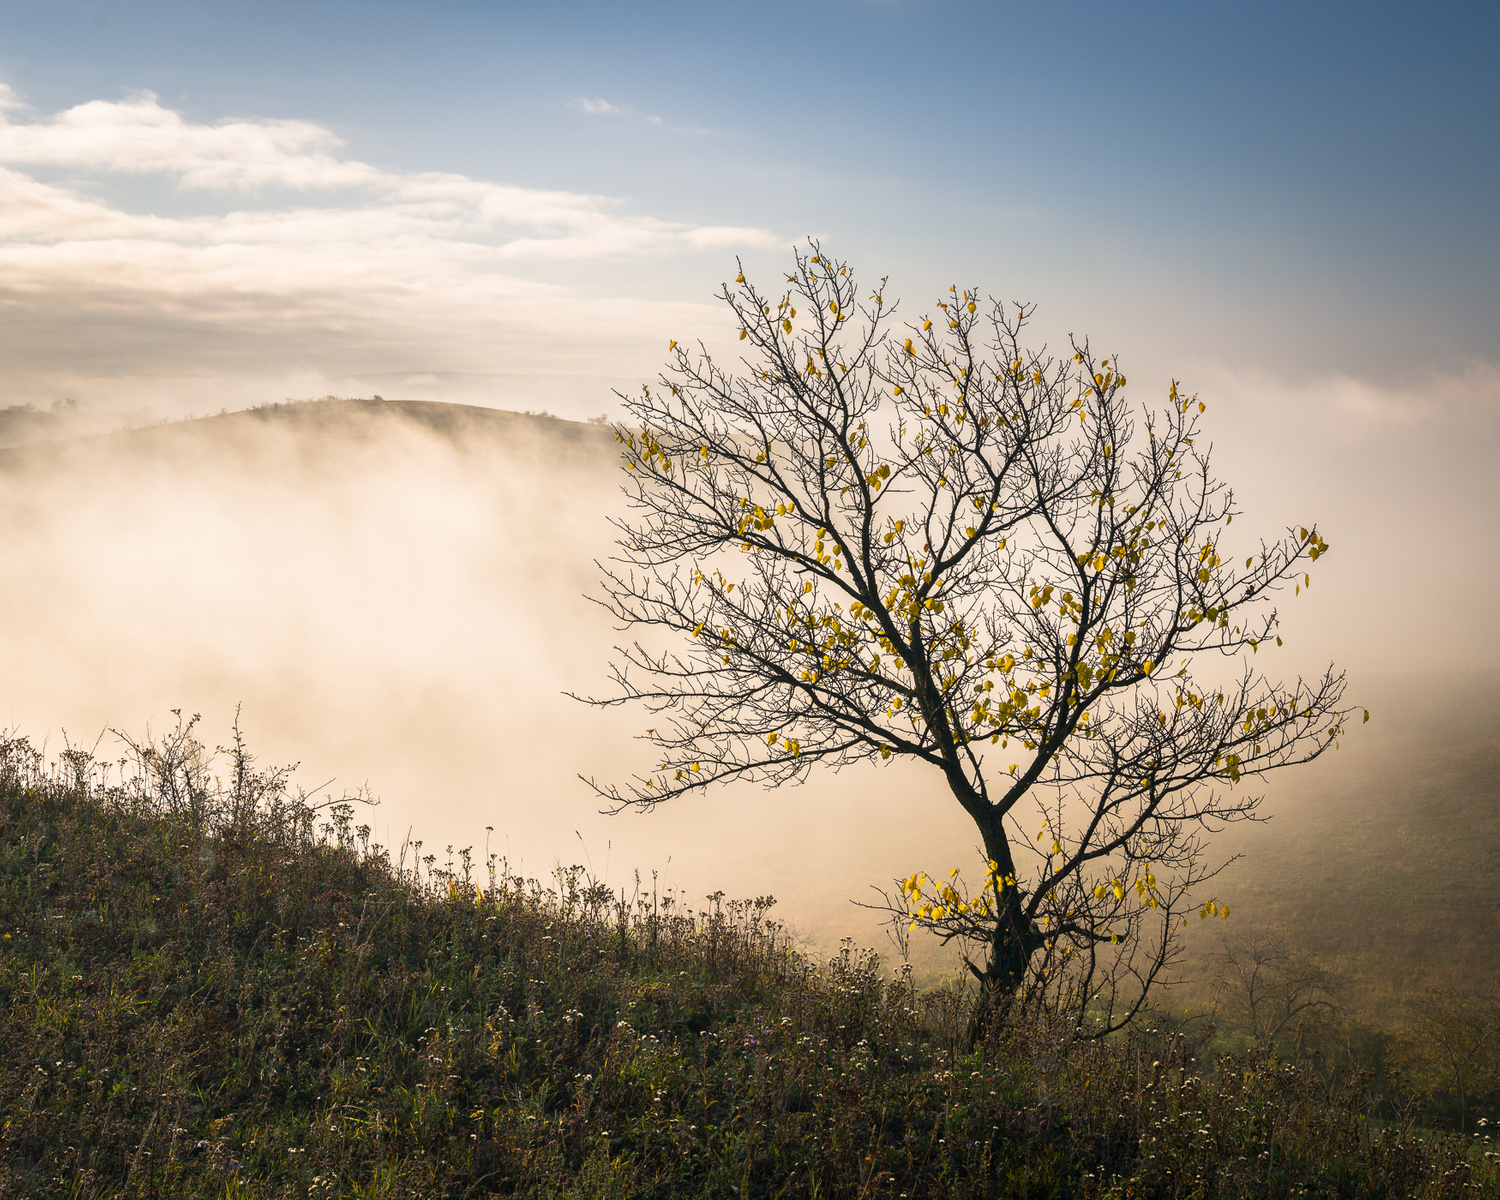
x=394, y=594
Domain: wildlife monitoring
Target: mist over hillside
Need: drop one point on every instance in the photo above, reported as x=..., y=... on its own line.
x=395, y=595
x=1383, y=858
x=22, y=424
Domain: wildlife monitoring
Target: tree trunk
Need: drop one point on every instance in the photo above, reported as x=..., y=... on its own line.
x=1012, y=943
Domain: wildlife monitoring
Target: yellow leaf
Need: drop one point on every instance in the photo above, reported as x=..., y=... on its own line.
x=742, y=335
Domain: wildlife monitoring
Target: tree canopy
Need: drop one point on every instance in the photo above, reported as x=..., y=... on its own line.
x=869, y=542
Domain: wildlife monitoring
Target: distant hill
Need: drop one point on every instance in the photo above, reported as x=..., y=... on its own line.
x=350, y=423
x=1382, y=858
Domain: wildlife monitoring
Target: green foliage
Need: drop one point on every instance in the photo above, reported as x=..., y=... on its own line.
x=222, y=989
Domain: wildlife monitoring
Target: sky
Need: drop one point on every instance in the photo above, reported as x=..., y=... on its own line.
x=209, y=203
x=1289, y=207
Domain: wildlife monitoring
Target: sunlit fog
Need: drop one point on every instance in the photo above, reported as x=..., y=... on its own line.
x=395, y=597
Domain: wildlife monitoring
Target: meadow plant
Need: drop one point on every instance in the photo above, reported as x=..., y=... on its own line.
x=221, y=987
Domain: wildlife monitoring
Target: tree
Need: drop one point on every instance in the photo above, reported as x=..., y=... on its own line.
x=944, y=546
x=1452, y=1042
x=1273, y=990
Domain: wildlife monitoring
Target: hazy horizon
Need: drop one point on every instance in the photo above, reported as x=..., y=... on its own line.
x=394, y=596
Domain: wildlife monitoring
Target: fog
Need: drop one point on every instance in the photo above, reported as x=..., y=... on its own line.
x=393, y=596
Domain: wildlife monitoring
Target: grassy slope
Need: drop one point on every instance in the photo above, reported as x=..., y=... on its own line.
x=1383, y=858
x=200, y=999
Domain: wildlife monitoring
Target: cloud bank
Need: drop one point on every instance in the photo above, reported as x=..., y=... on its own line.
x=308, y=266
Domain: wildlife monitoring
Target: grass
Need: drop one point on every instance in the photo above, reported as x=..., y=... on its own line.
x=223, y=989
x=1384, y=858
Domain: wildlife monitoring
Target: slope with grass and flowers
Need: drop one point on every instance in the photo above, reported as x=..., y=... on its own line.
x=223, y=988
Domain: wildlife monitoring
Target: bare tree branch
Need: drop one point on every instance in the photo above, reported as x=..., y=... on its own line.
x=941, y=544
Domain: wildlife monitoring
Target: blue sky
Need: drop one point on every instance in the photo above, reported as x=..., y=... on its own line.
x=1307, y=188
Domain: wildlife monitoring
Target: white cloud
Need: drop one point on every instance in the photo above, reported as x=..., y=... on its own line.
x=603, y=108
x=368, y=271
x=140, y=136
x=598, y=107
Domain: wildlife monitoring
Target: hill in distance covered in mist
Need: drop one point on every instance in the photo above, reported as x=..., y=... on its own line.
x=1382, y=859
x=324, y=425
x=446, y=541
